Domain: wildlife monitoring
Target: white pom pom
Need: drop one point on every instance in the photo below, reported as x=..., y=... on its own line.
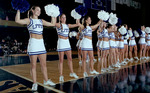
x=103, y=15
x=75, y=15
x=136, y=33
x=52, y=10
x=127, y=36
x=147, y=30
x=72, y=34
x=130, y=33
x=113, y=20
x=122, y=30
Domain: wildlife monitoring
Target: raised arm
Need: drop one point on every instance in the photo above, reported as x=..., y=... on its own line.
x=74, y=25
x=52, y=23
x=25, y=21
x=94, y=27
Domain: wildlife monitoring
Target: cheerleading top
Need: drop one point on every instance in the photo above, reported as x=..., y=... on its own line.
x=35, y=26
x=143, y=34
x=87, y=31
x=63, y=30
x=105, y=34
x=112, y=35
x=80, y=35
x=148, y=37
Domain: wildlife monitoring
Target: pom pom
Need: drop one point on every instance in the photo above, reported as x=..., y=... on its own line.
x=113, y=20
x=130, y=33
x=72, y=34
x=81, y=10
x=103, y=15
x=147, y=30
x=122, y=30
x=136, y=33
x=21, y=5
x=75, y=15
x=126, y=36
x=52, y=10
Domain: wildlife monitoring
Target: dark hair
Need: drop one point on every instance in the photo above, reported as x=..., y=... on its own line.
x=84, y=19
x=109, y=25
x=30, y=13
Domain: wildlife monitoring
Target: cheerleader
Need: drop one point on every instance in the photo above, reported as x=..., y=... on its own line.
x=99, y=43
x=132, y=45
x=87, y=47
x=121, y=49
x=78, y=45
x=113, y=46
x=126, y=45
x=36, y=48
x=142, y=43
x=63, y=46
x=148, y=45
x=105, y=47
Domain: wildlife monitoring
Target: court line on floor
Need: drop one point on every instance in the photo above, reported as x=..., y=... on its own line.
x=51, y=88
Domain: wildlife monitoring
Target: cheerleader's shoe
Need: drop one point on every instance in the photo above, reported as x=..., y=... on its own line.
x=80, y=62
x=74, y=75
x=123, y=63
x=94, y=72
x=131, y=59
x=95, y=60
x=34, y=87
x=136, y=58
x=61, y=79
x=85, y=74
x=49, y=82
x=99, y=59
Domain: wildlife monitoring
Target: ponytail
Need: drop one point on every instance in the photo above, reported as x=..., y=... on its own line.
x=30, y=13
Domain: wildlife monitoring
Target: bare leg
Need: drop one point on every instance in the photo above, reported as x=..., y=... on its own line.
x=33, y=60
x=42, y=59
x=60, y=65
x=69, y=57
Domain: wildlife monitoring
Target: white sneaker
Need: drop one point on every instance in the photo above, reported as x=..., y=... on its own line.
x=34, y=87
x=74, y=75
x=61, y=79
x=80, y=62
x=87, y=61
x=94, y=72
x=136, y=58
x=85, y=74
x=95, y=60
x=111, y=68
x=123, y=63
x=131, y=59
x=49, y=82
x=99, y=59
x=103, y=70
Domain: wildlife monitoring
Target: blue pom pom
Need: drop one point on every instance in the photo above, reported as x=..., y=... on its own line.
x=139, y=31
x=81, y=10
x=21, y=5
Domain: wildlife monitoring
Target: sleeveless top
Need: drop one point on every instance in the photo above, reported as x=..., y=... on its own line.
x=87, y=31
x=35, y=26
x=63, y=30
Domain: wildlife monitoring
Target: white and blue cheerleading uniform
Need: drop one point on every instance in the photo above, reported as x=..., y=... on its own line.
x=87, y=43
x=36, y=46
x=121, y=43
x=132, y=41
x=79, y=43
x=142, y=38
x=105, y=44
x=112, y=41
x=63, y=44
x=99, y=42
x=148, y=40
